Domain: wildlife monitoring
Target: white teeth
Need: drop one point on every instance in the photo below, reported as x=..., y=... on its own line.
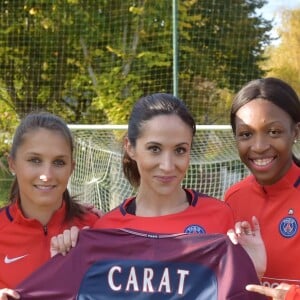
x=44, y=187
x=262, y=162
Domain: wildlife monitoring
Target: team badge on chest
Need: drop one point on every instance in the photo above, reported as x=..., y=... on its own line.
x=288, y=226
x=194, y=229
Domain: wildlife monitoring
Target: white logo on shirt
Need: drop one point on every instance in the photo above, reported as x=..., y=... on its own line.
x=11, y=260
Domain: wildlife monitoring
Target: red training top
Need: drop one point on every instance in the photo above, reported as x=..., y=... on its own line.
x=25, y=243
x=277, y=208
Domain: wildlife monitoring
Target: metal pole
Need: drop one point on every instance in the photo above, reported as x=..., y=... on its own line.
x=175, y=46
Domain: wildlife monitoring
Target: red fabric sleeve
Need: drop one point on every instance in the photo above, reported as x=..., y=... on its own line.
x=293, y=293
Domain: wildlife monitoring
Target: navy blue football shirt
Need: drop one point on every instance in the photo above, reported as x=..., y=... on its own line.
x=123, y=264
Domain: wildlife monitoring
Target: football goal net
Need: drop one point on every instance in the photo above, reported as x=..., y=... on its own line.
x=98, y=177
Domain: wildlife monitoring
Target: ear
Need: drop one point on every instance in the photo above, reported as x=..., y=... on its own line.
x=128, y=148
x=11, y=164
x=73, y=166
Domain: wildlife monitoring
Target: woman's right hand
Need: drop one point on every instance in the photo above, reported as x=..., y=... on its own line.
x=277, y=293
x=62, y=243
x=4, y=293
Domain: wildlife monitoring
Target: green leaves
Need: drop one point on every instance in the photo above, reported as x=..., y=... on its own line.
x=88, y=60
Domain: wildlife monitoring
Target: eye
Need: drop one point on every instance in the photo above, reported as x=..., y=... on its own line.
x=274, y=132
x=154, y=149
x=59, y=162
x=35, y=160
x=243, y=135
x=180, y=150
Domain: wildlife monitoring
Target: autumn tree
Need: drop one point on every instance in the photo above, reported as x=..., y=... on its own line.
x=284, y=57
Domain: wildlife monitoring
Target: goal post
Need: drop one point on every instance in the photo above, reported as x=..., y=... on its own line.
x=98, y=176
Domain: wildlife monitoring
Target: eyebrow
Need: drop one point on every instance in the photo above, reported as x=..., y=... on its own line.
x=40, y=154
x=266, y=124
x=157, y=143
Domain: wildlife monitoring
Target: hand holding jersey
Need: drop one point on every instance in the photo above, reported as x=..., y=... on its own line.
x=5, y=293
x=250, y=238
x=278, y=293
x=63, y=242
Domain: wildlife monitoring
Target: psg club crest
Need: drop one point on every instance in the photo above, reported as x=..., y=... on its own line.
x=194, y=229
x=288, y=227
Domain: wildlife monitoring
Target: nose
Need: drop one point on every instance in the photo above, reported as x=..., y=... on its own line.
x=45, y=173
x=260, y=144
x=167, y=162
x=43, y=177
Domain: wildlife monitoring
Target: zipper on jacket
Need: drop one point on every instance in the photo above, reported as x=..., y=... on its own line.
x=264, y=190
x=45, y=229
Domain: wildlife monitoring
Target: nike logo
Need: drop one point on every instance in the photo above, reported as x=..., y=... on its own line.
x=11, y=260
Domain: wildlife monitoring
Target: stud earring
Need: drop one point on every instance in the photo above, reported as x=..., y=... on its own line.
x=295, y=141
x=13, y=173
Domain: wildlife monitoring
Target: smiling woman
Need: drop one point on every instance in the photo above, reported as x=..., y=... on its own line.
x=39, y=206
x=265, y=118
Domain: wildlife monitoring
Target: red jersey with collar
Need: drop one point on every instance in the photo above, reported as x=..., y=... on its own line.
x=204, y=215
x=277, y=208
x=25, y=243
